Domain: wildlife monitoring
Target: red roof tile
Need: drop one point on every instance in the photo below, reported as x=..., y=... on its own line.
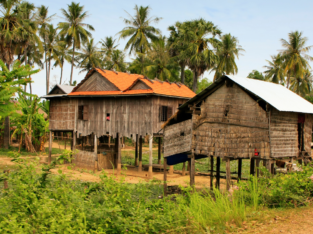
x=124, y=82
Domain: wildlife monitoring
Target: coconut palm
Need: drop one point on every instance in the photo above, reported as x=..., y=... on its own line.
x=139, y=64
x=199, y=47
x=256, y=75
x=74, y=28
x=302, y=86
x=107, y=46
x=275, y=71
x=116, y=61
x=161, y=64
x=89, y=56
x=227, y=53
x=63, y=55
x=296, y=59
x=139, y=30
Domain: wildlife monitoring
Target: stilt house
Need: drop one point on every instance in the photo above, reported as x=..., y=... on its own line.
x=240, y=118
x=109, y=104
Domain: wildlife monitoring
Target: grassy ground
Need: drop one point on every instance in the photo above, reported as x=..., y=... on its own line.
x=4, y=152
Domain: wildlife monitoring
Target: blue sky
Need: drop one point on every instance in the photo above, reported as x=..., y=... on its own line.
x=258, y=25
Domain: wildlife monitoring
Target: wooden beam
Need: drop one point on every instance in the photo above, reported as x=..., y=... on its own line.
x=252, y=166
x=211, y=171
x=95, y=145
x=228, y=176
x=50, y=146
x=159, y=151
x=136, y=151
x=192, y=169
x=150, y=173
x=257, y=164
x=119, y=145
x=218, y=169
x=239, y=168
x=165, y=176
x=184, y=169
x=140, y=154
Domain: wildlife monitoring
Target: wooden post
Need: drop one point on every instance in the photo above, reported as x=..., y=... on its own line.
x=272, y=168
x=159, y=151
x=192, y=169
x=268, y=165
x=184, y=169
x=95, y=145
x=82, y=143
x=257, y=164
x=171, y=171
x=228, y=176
x=64, y=141
x=252, y=164
x=211, y=170
x=239, y=169
x=150, y=157
x=165, y=176
x=140, y=154
x=188, y=167
x=136, y=151
x=218, y=169
x=74, y=140
x=119, y=165
x=50, y=147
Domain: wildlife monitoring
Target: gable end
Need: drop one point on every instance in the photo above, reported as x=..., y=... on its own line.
x=139, y=85
x=97, y=82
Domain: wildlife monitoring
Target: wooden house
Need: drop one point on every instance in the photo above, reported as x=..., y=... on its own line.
x=117, y=104
x=240, y=118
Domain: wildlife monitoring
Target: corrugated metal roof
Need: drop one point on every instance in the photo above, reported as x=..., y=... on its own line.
x=276, y=95
x=66, y=88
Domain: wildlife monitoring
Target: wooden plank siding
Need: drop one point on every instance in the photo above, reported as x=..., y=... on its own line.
x=308, y=133
x=62, y=114
x=97, y=83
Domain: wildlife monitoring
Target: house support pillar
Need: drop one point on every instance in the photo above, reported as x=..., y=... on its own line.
x=159, y=151
x=165, y=176
x=136, y=151
x=239, y=169
x=95, y=145
x=218, y=168
x=119, y=161
x=50, y=146
x=150, y=173
x=140, y=154
x=228, y=176
x=211, y=171
x=192, y=169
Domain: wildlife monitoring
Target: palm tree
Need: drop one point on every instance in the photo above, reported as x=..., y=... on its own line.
x=107, y=46
x=275, y=71
x=89, y=57
x=139, y=64
x=63, y=55
x=201, y=57
x=139, y=30
x=256, y=75
x=52, y=47
x=43, y=20
x=116, y=61
x=74, y=28
x=295, y=55
x=302, y=86
x=161, y=64
x=227, y=53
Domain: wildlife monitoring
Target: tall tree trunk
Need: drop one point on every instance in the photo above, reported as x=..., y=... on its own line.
x=182, y=73
x=6, y=136
x=71, y=78
x=48, y=81
x=195, y=81
x=25, y=57
x=62, y=63
x=30, y=89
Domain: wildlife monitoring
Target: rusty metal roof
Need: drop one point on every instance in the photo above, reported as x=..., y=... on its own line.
x=276, y=95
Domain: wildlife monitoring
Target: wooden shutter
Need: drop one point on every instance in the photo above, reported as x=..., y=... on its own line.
x=169, y=112
x=80, y=112
x=86, y=113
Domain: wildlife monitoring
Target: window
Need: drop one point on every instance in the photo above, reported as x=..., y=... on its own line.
x=165, y=113
x=108, y=117
x=83, y=112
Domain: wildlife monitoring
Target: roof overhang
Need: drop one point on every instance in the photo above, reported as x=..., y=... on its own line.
x=127, y=95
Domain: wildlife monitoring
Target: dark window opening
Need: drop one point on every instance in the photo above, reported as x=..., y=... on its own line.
x=165, y=113
x=300, y=136
x=108, y=117
x=83, y=112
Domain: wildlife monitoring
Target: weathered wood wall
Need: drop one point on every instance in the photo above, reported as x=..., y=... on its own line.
x=308, y=133
x=97, y=83
x=231, y=124
x=177, y=138
x=128, y=115
x=284, y=134
x=62, y=114
x=84, y=159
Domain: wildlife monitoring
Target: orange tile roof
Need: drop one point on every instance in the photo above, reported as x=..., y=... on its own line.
x=124, y=82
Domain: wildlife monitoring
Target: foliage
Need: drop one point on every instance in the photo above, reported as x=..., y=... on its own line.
x=116, y=61
x=256, y=75
x=202, y=84
x=302, y=86
x=275, y=70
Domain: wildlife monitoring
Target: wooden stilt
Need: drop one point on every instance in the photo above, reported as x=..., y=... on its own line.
x=184, y=169
x=140, y=154
x=211, y=171
x=136, y=151
x=252, y=164
x=171, y=171
x=159, y=151
x=257, y=164
x=64, y=141
x=192, y=169
x=272, y=168
x=239, y=169
x=188, y=166
x=150, y=175
x=268, y=165
x=50, y=147
x=218, y=169
x=96, y=152
x=119, y=163
x=165, y=176
x=228, y=176
x=74, y=140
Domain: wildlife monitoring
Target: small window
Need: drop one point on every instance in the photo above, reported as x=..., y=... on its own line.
x=108, y=117
x=83, y=112
x=165, y=113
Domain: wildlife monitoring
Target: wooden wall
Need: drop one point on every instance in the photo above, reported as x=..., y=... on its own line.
x=177, y=138
x=308, y=133
x=231, y=124
x=284, y=134
x=96, y=82
x=128, y=115
x=62, y=114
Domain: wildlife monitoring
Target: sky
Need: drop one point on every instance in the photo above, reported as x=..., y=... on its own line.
x=258, y=25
